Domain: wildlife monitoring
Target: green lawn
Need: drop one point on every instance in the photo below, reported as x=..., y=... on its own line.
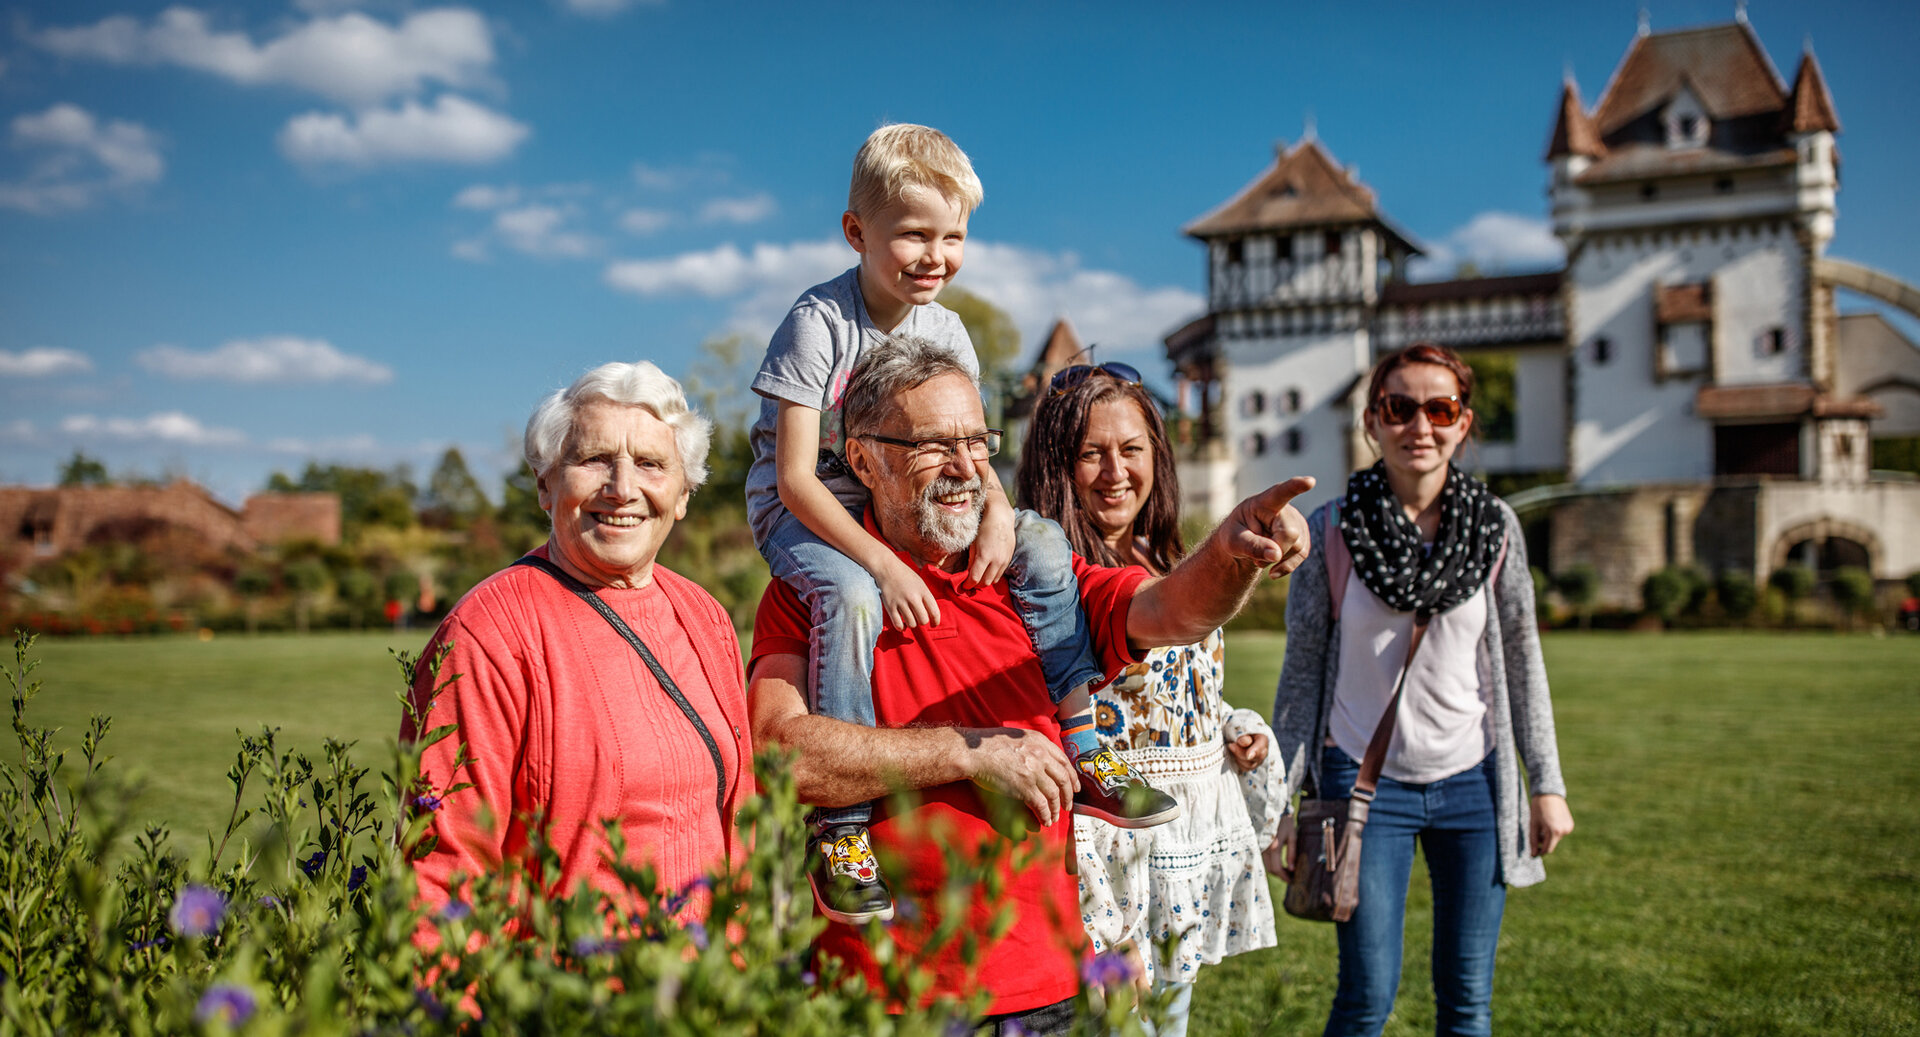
x=1747, y=859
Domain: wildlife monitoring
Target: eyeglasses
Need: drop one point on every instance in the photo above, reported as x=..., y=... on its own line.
x=1068, y=379
x=1397, y=409
x=979, y=447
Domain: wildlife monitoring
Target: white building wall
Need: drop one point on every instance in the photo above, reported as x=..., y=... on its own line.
x=1539, y=425
x=1321, y=367
x=1629, y=427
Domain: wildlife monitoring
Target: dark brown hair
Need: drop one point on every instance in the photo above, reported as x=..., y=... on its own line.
x=1052, y=451
x=1421, y=353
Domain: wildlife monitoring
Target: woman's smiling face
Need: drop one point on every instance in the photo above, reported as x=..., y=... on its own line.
x=1114, y=469
x=614, y=495
x=1418, y=447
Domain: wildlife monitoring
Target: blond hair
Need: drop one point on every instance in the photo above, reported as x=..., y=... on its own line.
x=901, y=156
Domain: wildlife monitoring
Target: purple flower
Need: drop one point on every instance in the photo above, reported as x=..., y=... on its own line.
x=809, y=978
x=698, y=934
x=594, y=946
x=141, y=945
x=1106, y=969
x=455, y=910
x=958, y=1026
x=229, y=1004
x=269, y=901
x=197, y=911
x=357, y=877
x=311, y=866
x=1015, y=1028
x=427, y=802
x=429, y=1004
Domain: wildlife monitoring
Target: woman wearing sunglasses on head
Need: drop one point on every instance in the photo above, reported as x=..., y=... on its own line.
x=1096, y=460
x=1433, y=585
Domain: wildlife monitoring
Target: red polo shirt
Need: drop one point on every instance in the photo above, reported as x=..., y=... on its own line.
x=976, y=669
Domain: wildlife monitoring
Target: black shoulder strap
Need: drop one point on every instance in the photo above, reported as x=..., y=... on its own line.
x=586, y=594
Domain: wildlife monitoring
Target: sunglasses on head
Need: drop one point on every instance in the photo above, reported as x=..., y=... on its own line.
x=1398, y=409
x=1069, y=378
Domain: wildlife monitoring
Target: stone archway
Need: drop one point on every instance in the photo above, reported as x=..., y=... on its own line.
x=1835, y=542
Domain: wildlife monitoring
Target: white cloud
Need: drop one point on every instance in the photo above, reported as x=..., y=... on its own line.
x=451, y=129
x=605, y=8
x=348, y=57
x=486, y=196
x=43, y=363
x=78, y=158
x=1034, y=288
x=645, y=221
x=165, y=426
x=1494, y=242
x=751, y=209
x=275, y=358
x=19, y=430
x=473, y=250
x=361, y=445
x=539, y=230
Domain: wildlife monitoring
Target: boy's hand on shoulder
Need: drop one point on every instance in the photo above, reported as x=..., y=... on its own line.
x=993, y=548
x=904, y=596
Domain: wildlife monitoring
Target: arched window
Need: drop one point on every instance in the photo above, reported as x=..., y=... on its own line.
x=1296, y=441
x=1292, y=401
x=1602, y=351
x=1253, y=404
x=1256, y=444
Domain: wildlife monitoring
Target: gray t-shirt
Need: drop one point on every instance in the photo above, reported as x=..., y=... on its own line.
x=808, y=362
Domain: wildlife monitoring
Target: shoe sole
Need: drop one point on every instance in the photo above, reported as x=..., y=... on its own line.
x=885, y=914
x=1119, y=821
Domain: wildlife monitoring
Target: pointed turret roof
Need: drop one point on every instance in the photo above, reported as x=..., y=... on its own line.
x=1724, y=65
x=1304, y=187
x=1810, y=108
x=1573, y=132
x=1061, y=349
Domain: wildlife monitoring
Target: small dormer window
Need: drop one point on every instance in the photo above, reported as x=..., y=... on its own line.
x=1287, y=190
x=1686, y=121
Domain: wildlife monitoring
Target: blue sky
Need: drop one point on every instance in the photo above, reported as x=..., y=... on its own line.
x=236, y=237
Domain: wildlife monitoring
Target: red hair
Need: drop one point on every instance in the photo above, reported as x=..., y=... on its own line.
x=1421, y=353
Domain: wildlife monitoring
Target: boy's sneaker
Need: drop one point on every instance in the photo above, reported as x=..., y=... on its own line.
x=1112, y=792
x=846, y=876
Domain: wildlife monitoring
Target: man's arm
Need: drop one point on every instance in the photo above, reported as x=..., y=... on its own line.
x=840, y=764
x=1211, y=584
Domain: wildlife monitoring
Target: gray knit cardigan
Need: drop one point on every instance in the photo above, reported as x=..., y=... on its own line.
x=1523, y=717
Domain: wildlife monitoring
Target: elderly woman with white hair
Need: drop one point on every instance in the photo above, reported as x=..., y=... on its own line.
x=593, y=684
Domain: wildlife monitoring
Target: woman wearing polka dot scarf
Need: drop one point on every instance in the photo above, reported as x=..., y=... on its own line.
x=1425, y=540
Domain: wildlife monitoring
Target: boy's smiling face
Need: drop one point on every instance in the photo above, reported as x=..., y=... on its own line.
x=909, y=250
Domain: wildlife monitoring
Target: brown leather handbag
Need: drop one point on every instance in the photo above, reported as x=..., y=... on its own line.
x=1326, y=859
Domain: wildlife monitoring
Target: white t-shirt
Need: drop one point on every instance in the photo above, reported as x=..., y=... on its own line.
x=1445, y=725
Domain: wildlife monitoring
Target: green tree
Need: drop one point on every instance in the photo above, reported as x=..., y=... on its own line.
x=453, y=498
x=359, y=591
x=1542, y=583
x=252, y=582
x=1737, y=593
x=368, y=496
x=1494, y=395
x=522, y=523
x=81, y=470
x=995, y=339
x=1794, y=582
x=1853, y=592
x=1579, y=585
x=307, y=578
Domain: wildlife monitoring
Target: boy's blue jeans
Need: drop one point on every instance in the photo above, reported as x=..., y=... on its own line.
x=847, y=619
x=1454, y=821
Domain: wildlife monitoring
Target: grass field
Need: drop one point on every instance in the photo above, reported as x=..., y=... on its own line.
x=1747, y=857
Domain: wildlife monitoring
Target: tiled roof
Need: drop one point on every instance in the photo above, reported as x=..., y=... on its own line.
x=1641, y=161
x=1303, y=187
x=1724, y=65
x=1778, y=401
x=1811, y=107
x=1573, y=132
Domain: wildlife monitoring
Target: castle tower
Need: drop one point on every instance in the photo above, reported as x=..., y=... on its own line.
x=1295, y=266
x=1694, y=201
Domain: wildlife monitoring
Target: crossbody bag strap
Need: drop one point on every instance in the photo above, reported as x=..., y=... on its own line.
x=586, y=594
x=1369, y=778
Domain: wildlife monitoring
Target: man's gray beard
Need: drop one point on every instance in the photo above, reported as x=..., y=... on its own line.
x=950, y=533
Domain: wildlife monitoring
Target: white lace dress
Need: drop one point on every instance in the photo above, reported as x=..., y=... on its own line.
x=1198, y=877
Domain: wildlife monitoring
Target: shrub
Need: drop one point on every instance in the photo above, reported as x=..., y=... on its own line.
x=1737, y=593
x=1579, y=585
x=1913, y=584
x=1794, y=582
x=1542, y=583
x=1665, y=592
x=307, y=922
x=1853, y=591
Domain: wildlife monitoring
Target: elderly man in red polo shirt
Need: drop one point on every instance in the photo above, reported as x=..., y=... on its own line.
x=963, y=713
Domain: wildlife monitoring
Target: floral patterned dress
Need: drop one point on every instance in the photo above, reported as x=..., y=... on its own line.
x=1196, y=882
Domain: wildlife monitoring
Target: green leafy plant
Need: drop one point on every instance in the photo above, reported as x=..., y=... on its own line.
x=1794, y=582
x=1853, y=592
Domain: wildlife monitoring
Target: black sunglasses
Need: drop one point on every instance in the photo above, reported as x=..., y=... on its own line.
x=1068, y=379
x=1398, y=409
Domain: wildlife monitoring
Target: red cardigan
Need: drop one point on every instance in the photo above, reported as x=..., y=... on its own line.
x=563, y=718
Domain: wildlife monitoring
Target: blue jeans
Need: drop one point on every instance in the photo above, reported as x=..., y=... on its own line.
x=1454, y=820
x=846, y=613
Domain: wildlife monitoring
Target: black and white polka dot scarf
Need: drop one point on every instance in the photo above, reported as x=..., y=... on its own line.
x=1392, y=562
